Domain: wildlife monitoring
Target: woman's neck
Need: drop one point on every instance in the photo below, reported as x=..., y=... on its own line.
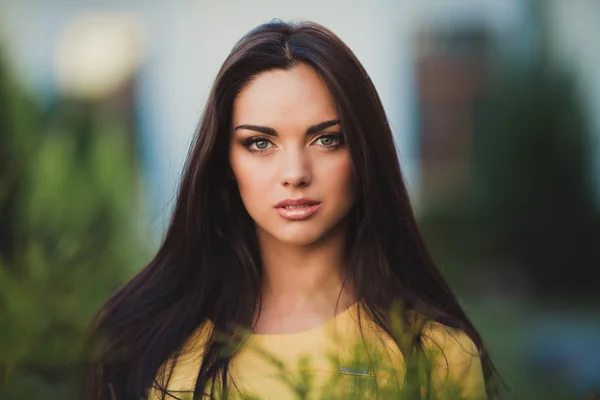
x=303, y=285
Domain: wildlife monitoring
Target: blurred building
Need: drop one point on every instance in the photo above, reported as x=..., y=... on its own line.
x=158, y=60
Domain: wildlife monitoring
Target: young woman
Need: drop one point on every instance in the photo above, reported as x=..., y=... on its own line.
x=293, y=223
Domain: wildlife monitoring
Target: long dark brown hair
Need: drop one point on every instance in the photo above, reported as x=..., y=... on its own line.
x=208, y=266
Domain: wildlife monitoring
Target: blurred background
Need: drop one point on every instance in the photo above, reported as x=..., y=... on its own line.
x=495, y=108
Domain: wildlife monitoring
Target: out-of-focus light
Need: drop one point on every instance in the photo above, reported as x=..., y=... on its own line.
x=97, y=53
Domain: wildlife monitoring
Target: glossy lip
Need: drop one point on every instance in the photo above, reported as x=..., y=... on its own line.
x=305, y=208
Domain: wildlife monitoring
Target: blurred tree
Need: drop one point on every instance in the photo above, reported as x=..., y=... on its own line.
x=68, y=213
x=530, y=209
x=533, y=190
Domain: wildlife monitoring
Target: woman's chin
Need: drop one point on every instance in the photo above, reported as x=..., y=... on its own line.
x=302, y=241
x=301, y=236
x=298, y=238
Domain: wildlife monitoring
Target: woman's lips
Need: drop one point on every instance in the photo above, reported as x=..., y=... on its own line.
x=297, y=209
x=298, y=212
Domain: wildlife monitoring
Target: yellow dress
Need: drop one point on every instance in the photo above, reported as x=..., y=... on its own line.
x=324, y=361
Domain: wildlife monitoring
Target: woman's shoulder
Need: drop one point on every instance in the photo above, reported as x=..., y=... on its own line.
x=456, y=359
x=454, y=355
x=437, y=335
x=179, y=373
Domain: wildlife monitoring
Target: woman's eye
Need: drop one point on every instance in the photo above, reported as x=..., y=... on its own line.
x=260, y=144
x=328, y=140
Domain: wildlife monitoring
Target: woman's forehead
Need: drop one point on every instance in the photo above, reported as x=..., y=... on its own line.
x=297, y=97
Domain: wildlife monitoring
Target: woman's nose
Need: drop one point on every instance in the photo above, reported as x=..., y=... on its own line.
x=296, y=171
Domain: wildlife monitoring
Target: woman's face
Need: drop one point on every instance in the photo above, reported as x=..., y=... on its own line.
x=289, y=158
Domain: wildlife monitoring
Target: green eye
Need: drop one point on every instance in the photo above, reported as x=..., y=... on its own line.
x=258, y=144
x=328, y=140
x=261, y=144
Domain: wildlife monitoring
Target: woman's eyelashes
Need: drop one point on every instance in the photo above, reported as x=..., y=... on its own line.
x=331, y=141
x=257, y=144
x=261, y=144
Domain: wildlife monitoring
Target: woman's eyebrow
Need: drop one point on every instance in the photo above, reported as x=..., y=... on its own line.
x=272, y=132
x=322, y=125
x=262, y=129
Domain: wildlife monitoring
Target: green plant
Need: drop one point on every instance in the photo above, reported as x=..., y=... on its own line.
x=68, y=224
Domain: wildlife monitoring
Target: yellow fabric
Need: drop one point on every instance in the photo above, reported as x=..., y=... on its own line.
x=329, y=348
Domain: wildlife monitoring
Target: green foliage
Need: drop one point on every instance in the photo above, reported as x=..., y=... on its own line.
x=530, y=206
x=533, y=186
x=529, y=224
x=67, y=222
